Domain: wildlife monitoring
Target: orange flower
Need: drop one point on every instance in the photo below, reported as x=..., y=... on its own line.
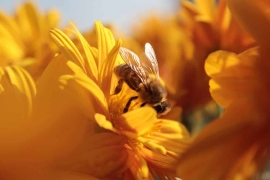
x=76, y=92
x=211, y=27
x=236, y=146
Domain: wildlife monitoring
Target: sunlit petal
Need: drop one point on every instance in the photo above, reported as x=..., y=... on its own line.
x=67, y=47
x=138, y=121
x=232, y=75
x=105, y=43
x=90, y=63
x=107, y=69
x=171, y=135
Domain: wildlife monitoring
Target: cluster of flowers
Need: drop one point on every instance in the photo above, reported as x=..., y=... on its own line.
x=60, y=118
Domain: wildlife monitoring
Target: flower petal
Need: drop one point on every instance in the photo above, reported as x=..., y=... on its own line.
x=105, y=43
x=104, y=123
x=28, y=20
x=87, y=158
x=90, y=63
x=253, y=16
x=53, y=108
x=17, y=91
x=232, y=75
x=173, y=137
x=206, y=8
x=11, y=46
x=107, y=69
x=237, y=133
x=138, y=121
x=85, y=91
x=67, y=47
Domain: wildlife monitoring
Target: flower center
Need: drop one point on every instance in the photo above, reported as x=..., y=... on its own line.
x=123, y=101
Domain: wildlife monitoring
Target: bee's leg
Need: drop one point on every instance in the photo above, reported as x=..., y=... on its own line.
x=143, y=104
x=119, y=86
x=129, y=102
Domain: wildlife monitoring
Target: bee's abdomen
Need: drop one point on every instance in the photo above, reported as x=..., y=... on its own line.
x=123, y=71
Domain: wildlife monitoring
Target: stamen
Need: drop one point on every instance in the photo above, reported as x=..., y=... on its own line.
x=118, y=102
x=145, y=142
x=143, y=171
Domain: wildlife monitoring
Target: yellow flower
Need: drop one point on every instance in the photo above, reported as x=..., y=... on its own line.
x=80, y=86
x=25, y=39
x=240, y=84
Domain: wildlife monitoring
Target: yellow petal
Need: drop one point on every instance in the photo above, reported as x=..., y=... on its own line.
x=105, y=43
x=104, y=123
x=224, y=16
x=253, y=16
x=85, y=90
x=17, y=91
x=108, y=82
x=172, y=136
x=159, y=162
x=67, y=47
x=53, y=108
x=232, y=76
x=138, y=121
x=189, y=8
x=28, y=20
x=12, y=45
x=51, y=19
x=139, y=169
x=237, y=133
x=87, y=158
x=206, y=8
x=90, y=63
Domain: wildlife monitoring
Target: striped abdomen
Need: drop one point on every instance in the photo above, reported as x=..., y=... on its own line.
x=124, y=72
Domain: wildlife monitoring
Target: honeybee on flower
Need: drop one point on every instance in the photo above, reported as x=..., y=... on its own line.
x=137, y=74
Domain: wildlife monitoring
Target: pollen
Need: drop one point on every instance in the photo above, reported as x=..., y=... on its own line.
x=118, y=102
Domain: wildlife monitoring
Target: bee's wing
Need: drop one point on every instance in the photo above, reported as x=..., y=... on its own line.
x=150, y=63
x=134, y=63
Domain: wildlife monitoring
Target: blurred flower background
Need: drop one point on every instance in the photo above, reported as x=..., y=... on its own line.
x=122, y=14
x=56, y=74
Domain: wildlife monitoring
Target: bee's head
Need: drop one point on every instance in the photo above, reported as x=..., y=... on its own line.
x=162, y=108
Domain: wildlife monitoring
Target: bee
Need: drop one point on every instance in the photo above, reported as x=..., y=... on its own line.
x=143, y=77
